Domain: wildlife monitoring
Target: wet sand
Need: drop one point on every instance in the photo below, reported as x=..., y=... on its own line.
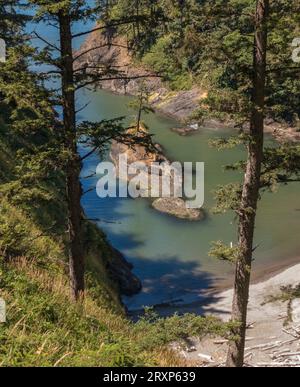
x=269, y=324
x=218, y=299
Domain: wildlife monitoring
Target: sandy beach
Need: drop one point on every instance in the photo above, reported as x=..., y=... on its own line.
x=269, y=332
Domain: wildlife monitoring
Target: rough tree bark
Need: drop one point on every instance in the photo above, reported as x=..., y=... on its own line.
x=250, y=195
x=73, y=165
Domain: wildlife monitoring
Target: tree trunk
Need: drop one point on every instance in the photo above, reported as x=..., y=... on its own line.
x=73, y=165
x=250, y=195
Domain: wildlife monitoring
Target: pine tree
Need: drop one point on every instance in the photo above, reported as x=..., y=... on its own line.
x=141, y=105
x=251, y=186
x=27, y=127
x=246, y=90
x=95, y=135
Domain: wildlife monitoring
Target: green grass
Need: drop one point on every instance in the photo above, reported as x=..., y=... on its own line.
x=44, y=327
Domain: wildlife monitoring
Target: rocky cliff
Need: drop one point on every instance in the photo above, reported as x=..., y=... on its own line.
x=112, y=54
x=157, y=180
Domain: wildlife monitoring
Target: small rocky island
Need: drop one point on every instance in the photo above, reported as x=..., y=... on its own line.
x=174, y=205
x=186, y=130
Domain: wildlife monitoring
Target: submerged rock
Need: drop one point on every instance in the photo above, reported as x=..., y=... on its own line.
x=151, y=178
x=177, y=207
x=186, y=131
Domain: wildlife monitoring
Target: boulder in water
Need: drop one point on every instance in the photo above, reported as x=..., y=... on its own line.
x=177, y=207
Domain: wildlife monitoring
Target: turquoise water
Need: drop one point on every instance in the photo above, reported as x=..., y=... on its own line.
x=171, y=255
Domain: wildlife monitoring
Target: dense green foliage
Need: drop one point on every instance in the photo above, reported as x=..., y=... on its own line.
x=30, y=190
x=205, y=43
x=209, y=43
x=164, y=37
x=44, y=327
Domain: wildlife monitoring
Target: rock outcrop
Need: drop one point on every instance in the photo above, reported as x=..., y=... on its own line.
x=179, y=104
x=177, y=207
x=187, y=130
x=155, y=163
x=102, y=255
x=113, y=53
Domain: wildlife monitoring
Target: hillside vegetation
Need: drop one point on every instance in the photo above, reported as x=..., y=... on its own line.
x=60, y=278
x=45, y=326
x=208, y=44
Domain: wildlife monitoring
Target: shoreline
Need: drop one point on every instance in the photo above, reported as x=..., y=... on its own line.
x=280, y=132
x=260, y=278
x=272, y=325
x=279, y=277
x=274, y=271
x=263, y=274
x=176, y=104
x=260, y=274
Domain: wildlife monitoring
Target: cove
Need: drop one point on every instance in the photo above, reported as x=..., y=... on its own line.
x=170, y=256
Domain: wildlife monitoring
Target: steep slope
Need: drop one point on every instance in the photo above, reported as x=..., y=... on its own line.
x=32, y=225
x=43, y=327
x=113, y=53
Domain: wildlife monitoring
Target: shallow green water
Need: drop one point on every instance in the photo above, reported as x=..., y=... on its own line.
x=170, y=255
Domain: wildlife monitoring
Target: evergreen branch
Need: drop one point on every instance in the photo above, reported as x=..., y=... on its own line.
x=94, y=67
x=83, y=107
x=46, y=42
x=89, y=176
x=89, y=190
x=112, y=24
x=280, y=69
x=89, y=153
